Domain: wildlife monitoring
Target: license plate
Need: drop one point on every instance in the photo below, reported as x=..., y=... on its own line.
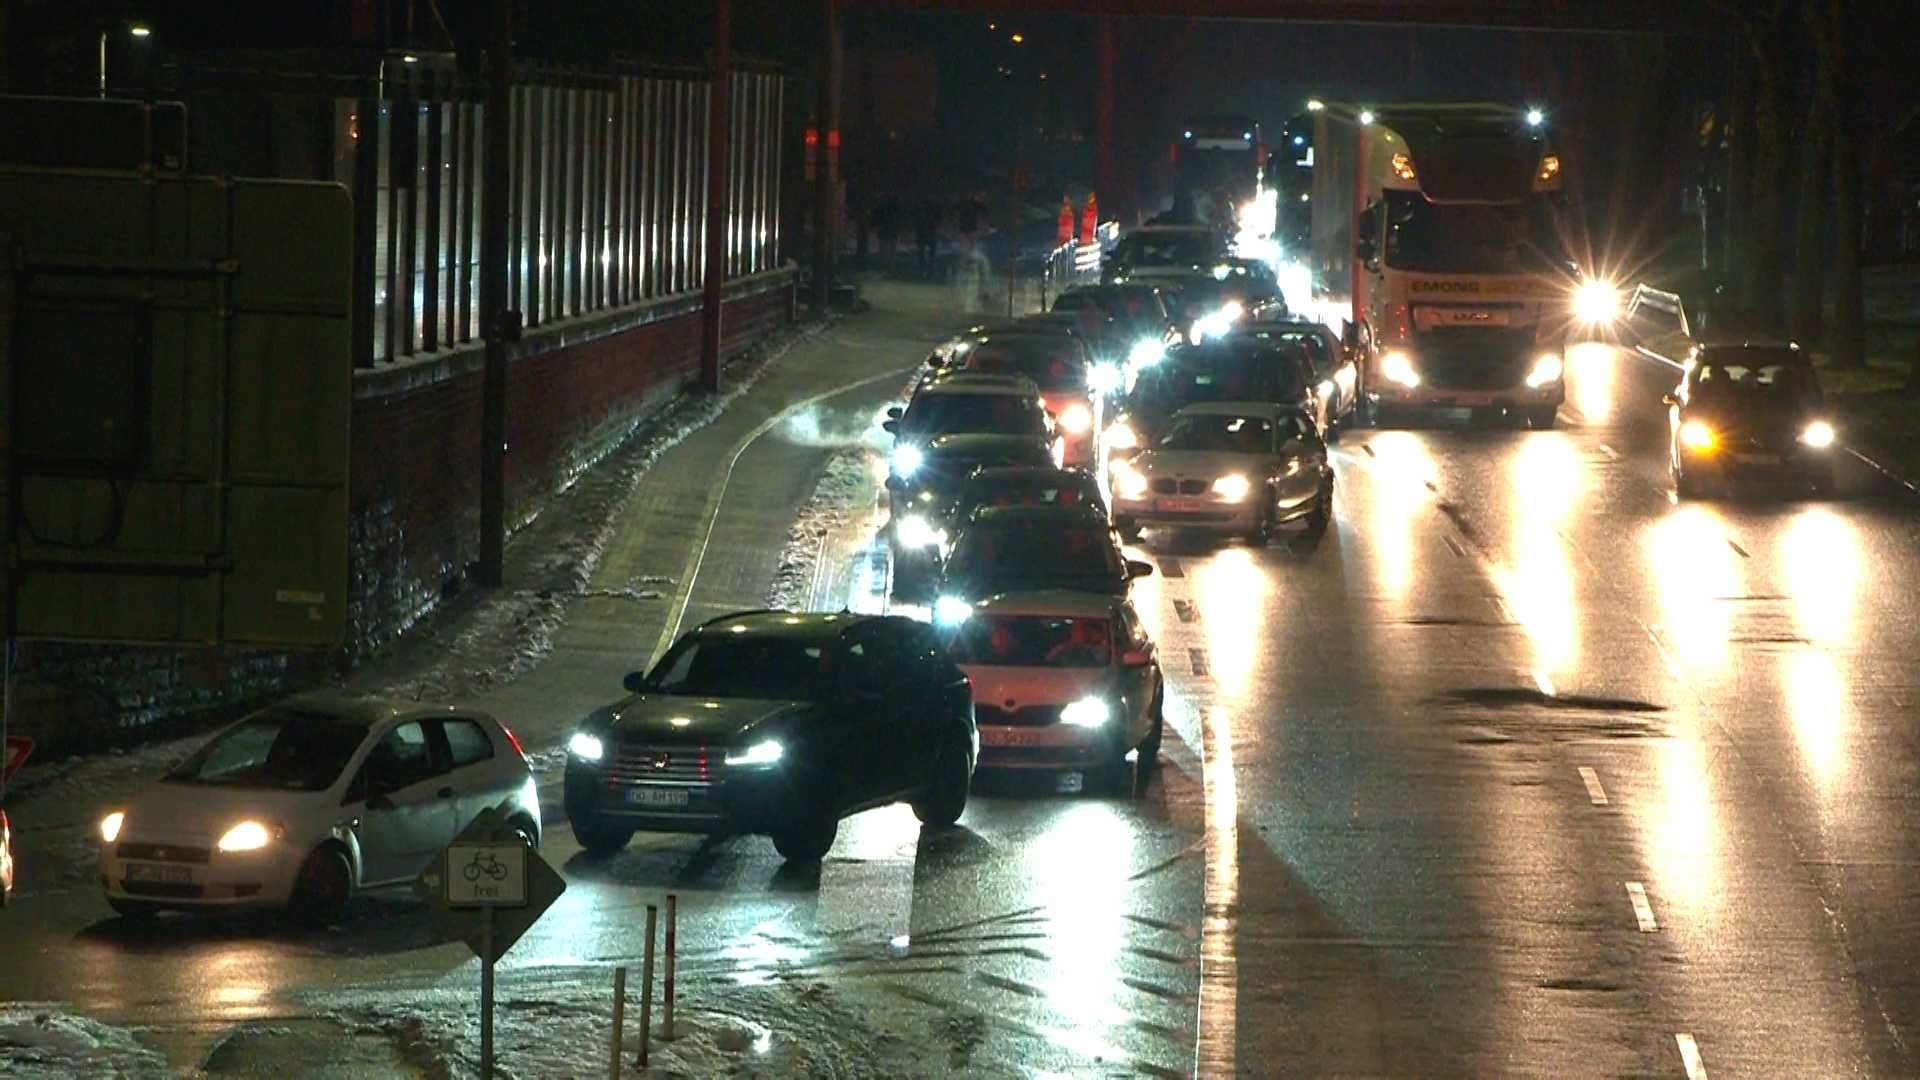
x=1011, y=736
x=162, y=875
x=1181, y=506
x=1071, y=783
x=645, y=796
x=1757, y=459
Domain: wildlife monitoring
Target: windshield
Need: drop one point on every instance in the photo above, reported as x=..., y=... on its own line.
x=1165, y=249
x=1035, y=548
x=1035, y=641
x=1230, y=434
x=1219, y=375
x=1134, y=307
x=1052, y=363
x=281, y=750
x=1453, y=239
x=981, y=414
x=1755, y=383
x=739, y=666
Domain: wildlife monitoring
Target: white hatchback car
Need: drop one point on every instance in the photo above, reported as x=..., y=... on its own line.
x=1062, y=680
x=304, y=802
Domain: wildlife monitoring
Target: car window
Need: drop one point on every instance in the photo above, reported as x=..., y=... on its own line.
x=467, y=742
x=1220, y=433
x=285, y=749
x=400, y=759
x=760, y=666
x=951, y=414
x=872, y=667
x=1046, y=548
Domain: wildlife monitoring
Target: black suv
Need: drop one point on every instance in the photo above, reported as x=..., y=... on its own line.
x=781, y=724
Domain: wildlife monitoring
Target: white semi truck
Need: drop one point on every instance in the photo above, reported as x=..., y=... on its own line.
x=1437, y=245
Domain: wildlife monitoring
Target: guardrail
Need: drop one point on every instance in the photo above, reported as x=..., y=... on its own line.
x=1645, y=295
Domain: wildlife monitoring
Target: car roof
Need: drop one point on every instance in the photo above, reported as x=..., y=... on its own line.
x=368, y=709
x=800, y=625
x=1015, y=513
x=1778, y=350
x=980, y=382
x=1010, y=472
x=1265, y=409
x=1067, y=602
x=1164, y=229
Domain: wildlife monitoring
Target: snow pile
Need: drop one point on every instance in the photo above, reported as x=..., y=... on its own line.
x=844, y=486
x=38, y=1042
x=551, y=560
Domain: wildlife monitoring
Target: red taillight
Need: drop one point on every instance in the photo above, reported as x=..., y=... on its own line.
x=513, y=740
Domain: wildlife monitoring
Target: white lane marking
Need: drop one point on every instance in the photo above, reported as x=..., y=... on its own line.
x=1612, y=454
x=1642, y=911
x=1595, y=792
x=1545, y=682
x=1690, y=1056
x=1218, y=1011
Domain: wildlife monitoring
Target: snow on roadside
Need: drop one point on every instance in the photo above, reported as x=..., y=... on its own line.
x=843, y=488
x=38, y=1040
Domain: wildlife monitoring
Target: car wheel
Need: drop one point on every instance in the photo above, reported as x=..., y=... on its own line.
x=946, y=796
x=807, y=843
x=600, y=840
x=1543, y=417
x=529, y=834
x=1322, y=514
x=322, y=888
x=1149, y=753
x=132, y=909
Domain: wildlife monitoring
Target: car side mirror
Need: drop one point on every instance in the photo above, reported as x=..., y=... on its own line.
x=891, y=427
x=1136, y=658
x=934, y=361
x=1138, y=569
x=1365, y=250
x=894, y=412
x=635, y=682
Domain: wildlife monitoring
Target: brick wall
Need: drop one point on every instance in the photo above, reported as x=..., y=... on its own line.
x=575, y=391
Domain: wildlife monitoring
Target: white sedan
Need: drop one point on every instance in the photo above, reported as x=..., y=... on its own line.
x=303, y=803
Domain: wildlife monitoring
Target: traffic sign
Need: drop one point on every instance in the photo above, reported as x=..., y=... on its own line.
x=488, y=875
x=18, y=747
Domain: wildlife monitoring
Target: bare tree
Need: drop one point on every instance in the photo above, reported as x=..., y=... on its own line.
x=1810, y=205
x=1829, y=22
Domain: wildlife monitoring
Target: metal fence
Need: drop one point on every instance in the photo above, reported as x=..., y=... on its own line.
x=608, y=205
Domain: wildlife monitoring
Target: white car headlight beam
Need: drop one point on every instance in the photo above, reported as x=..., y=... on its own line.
x=1088, y=712
x=586, y=747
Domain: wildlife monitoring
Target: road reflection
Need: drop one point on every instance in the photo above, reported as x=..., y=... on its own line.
x=1823, y=567
x=1077, y=870
x=1592, y=371
x=1219, y=970
x=1535, y=579
x=1401, y=469
x=1232, y=589
x=1683, y=847
x=1696, y=574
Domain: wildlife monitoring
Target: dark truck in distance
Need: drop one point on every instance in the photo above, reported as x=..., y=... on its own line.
x=781, y=724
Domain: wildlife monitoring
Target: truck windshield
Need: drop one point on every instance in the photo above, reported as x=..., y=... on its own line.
x=1457, y=239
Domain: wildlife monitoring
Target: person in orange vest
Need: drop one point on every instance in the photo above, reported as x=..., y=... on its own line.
x=1065, y=233
x=1089, y=219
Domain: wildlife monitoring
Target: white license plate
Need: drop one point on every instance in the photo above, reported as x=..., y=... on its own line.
x=1012, y=736
x=646, y=796
x=1757, y=459
x=1180, y=506
x=162, y=875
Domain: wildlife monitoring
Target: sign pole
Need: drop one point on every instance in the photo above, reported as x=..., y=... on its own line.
x=486, y=993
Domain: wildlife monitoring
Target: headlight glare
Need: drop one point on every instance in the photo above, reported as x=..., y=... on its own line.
x=764, y=752
x=110, y=825
x=1819, y=434
x=586, y=746
x=1547, y=368
x=915, y=531
x=1088, y=712
x=907, y=460
x=1695, y=435
x=1397, y=366
x=1121, y=436
x=1596, y=302
x=1104, y=378
x=1129, y=482
x=1232, y=487
x=246, y=836
x=1077, y=419
x=951, y=611
x=1146, y=353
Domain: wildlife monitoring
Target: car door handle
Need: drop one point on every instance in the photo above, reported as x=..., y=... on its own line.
x=445, y=793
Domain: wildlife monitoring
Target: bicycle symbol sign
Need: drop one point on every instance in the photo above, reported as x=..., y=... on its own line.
x=487, y=875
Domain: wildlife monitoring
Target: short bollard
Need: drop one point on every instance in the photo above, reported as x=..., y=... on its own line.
x=619, y=1017
x=666, y=986
x=646, y=987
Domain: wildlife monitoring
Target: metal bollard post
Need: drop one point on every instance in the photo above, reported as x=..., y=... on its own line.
x=619, y=1017
x=666, y=985
x=646, y=987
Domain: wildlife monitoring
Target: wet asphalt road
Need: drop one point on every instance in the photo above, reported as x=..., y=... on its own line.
x=1523, y=770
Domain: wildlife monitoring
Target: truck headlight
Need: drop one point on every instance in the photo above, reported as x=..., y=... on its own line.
x=1819, y=434
x=1596, y=302
x=1397, y=366
x=586, y=747
x=1231, y=487
x=1088, y=712
x=915, y=531
x=1547, y=368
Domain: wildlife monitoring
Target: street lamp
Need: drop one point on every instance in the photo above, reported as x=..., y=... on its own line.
x=1366, y=116
x=140, y=31
x=1536, y=117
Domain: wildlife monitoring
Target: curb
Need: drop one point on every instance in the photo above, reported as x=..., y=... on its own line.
x=1905, y=484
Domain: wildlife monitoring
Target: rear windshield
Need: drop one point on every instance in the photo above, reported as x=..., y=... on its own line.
x=280, y=750
x=972, y=414
x=1166, y=249
x=1035, y=549
x=1220, y=375
x=1054, y=365
x=1753, y=379
x=740, y=666
x=1041, y=490
x=1034, y=641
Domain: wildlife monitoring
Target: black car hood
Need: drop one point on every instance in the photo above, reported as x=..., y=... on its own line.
x=674, y=718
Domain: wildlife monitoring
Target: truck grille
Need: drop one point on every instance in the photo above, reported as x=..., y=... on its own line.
x=642, y=763
x=1031, y=716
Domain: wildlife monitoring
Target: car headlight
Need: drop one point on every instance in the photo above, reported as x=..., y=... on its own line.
x=1596, y=302
x=1231, y=311
x=1818, y=434
x=1397, y=366
x=1087, y=712
x=1547, y=368
x=1129, y=482
x=586, y=746
x=1105, y=378
x=907, y=460
x=1695, y=435
x=1077, y=419
x=915, y=531
x=110, y=825
x=951, y=611
x=764, y=752
x=1121, y=436
x=1146, y=353
x=1232, y=487
x=246, y=836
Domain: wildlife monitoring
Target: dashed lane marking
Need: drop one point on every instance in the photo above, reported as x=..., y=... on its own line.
x=1690, y=1056
x=1185, y=610
x=1595, y=793
x=1367, y=449
x=1642, y=911
x=1198, y=658
x=1170, y=567
x=1737, y=549
x=1454, y=546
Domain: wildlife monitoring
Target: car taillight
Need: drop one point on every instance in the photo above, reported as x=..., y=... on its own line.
x=513, y=740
